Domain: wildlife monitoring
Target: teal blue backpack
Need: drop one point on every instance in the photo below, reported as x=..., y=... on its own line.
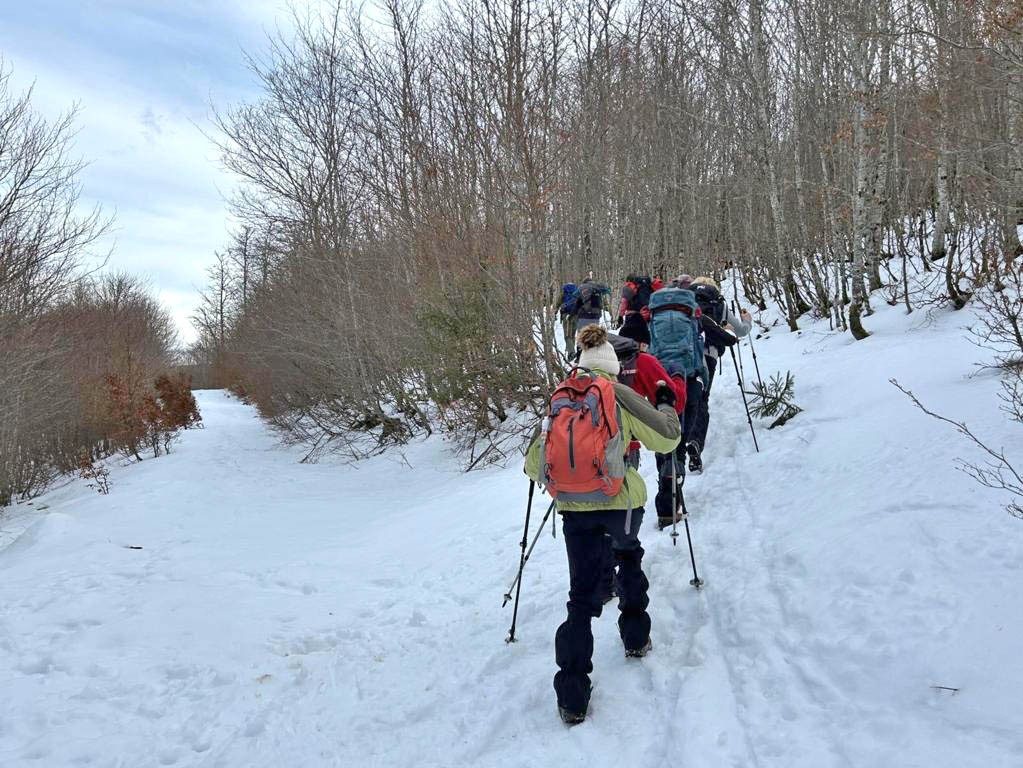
x=675, y=331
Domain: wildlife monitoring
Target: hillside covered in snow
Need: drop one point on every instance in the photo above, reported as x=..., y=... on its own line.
x=226, y=605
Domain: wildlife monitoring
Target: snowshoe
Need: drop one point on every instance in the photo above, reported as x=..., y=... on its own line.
x=571, y=718
x=695, y=462
x=639, y=653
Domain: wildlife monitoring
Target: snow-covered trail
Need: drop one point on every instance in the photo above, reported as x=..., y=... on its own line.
x=282, y=614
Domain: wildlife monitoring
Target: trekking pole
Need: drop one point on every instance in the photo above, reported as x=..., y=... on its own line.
x=742, y=371
x=756, y=365
x=517, y=583
x=696, y=581
x=522, y=561
x=738, y=380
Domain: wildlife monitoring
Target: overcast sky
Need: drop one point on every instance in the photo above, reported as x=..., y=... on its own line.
x=144, y=73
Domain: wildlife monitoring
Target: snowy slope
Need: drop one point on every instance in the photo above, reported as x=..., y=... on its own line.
x=281, y=614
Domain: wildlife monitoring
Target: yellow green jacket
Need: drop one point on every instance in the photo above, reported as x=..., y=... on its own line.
x=657, y=429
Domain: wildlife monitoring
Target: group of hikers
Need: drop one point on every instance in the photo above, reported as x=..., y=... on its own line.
x=648, y=385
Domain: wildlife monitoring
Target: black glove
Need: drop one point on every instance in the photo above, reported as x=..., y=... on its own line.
x=665, y=395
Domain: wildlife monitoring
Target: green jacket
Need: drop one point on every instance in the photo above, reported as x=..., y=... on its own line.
x=658, y=429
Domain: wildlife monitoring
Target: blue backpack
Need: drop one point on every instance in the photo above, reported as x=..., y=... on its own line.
x=675, y=331
x=570, y=297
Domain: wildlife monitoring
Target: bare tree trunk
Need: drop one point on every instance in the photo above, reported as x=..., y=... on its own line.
x=783, y=256
x=941, y=192
x=859, y=218
x=1013, y=115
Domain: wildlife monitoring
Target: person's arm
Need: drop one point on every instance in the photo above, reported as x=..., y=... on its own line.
x=649, y=371
x=742, y=325
x=681, y=392
x=658, y=429
x=715, y=335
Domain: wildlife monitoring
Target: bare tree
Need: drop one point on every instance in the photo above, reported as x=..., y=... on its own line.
x=417, y=183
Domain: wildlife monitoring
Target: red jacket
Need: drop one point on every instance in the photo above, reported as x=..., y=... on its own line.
x=648, y=372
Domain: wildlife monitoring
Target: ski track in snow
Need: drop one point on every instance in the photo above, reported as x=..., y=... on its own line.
x=285, y=614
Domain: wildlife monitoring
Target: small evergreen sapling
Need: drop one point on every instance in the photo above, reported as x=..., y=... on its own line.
x=774, y=399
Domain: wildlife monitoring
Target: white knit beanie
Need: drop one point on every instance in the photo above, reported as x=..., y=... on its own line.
x=597, y=351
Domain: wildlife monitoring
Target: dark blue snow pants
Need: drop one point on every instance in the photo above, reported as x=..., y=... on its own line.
x=573, y=643
x=662, y=501
x=698, y=434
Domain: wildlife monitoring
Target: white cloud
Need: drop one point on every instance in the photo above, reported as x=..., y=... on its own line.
x=143, y=76
x=151, y=165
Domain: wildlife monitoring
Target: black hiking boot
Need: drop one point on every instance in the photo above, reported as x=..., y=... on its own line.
x=608, y=596
x=639, y=653
x=667, y=522
x=571, y=718
x=568, y=717
x=695, y=462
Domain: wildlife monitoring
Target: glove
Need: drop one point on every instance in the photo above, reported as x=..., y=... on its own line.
x=665, y=395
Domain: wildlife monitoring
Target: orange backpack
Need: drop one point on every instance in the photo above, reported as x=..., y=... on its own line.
x=583, y=449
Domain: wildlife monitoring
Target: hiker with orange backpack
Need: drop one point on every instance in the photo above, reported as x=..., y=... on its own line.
x=579, y=456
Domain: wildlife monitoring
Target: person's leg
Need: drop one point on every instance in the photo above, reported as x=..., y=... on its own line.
x=632, y=584
x=662, y=502
x=688, y=446
x=694, y=395
x=568, y=332
x=607, y=581
x=573, y=643
x=699, y=433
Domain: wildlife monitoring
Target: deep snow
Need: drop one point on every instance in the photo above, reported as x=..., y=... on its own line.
x=285, y=614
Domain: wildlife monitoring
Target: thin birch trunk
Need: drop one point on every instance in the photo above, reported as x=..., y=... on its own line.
x=859, y=219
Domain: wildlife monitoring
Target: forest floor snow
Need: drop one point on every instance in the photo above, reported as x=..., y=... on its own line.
x=227, y=605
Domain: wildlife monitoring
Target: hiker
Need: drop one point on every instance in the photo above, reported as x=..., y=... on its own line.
x=676, y=341
x=632, y=310
x=581, y=461
x=593, y=300
x=682, y=281
x=568, y=313
x=642, y=371
x=721, y=329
